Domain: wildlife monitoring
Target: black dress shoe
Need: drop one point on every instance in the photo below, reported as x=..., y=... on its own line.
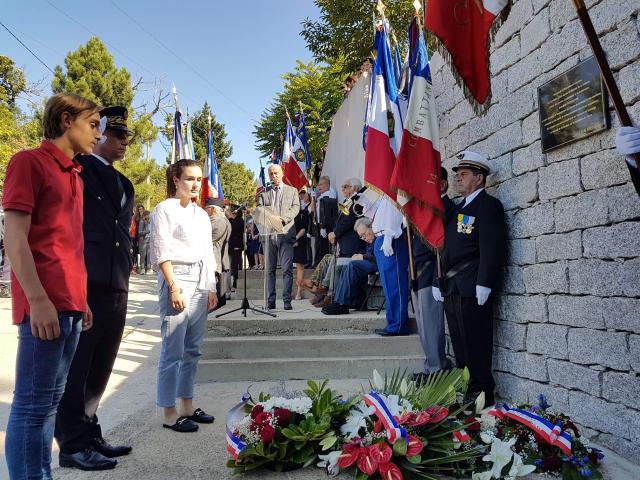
x=384, y=333
x=271, y=306
x=200, y=417
x=87, y=460
x=108, y=450
x=335, y=309
x=287, y=306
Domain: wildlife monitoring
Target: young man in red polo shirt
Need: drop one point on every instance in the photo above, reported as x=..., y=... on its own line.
x=43, y=239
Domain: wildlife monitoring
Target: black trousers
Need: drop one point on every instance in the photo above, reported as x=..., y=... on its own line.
x=76, y=420
x=471, y=330
x=236, y=264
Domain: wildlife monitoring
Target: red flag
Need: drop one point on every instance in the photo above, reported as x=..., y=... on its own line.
x=416, y=175
x=463, y=28
x=293, y=172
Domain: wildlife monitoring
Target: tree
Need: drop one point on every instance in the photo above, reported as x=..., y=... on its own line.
x=318, y=89
x=344, y=34
x=12, y=82
x=238, y=183
x=92, y=73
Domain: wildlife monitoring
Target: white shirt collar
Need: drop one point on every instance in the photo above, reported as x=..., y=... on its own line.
x=101, y=159
x=472, y=197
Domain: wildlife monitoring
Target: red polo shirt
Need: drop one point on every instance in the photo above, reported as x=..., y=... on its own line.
x=44, y=182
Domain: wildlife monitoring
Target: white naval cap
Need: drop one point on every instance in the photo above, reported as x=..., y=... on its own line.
x=474, y=161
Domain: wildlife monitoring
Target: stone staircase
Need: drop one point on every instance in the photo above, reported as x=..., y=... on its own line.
x=299, y=344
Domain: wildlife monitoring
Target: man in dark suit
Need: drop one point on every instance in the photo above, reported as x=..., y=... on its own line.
x=326, y=214
x=108, y=205
x=474, y=248
x=429, y=312
x=343, y=231
x=283, y=201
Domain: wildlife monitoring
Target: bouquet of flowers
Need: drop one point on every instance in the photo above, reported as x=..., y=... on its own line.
x=528, y=437
x=280, y=433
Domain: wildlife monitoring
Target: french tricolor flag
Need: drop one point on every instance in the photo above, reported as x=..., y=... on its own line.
x=394, y=431
x=416, y=176
x=384, y=119
x=293, y=171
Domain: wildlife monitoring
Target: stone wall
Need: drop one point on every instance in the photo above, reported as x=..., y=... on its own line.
x=568, y=317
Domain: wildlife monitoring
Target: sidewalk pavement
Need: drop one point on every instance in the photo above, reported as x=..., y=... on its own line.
x=129, y=416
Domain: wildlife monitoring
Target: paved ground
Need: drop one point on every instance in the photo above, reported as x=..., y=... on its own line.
x=128, y=413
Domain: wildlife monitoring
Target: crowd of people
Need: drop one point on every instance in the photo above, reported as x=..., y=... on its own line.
x=73, y=237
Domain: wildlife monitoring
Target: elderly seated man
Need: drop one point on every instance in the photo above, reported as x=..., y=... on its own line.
x=353, y=280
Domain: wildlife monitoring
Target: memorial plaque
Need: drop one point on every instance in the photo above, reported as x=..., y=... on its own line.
x=573, y=105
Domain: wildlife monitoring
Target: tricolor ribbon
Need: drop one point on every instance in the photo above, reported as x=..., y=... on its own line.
x=462, y=436
x=394, y=431
x=235, y=445
x=552, y=434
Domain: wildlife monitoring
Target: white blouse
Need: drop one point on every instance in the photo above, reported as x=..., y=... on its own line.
x=183, y=234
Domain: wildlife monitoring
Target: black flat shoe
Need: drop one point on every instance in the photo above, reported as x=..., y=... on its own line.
x=287, y=306
x=182, y=425
x=200, y=417
x=271, y=306
x=88, y=460
x=100, y=445
x=384, y=333
x=335, y=309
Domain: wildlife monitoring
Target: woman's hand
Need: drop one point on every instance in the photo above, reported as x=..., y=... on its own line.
x=178, y=302
x=213, y=300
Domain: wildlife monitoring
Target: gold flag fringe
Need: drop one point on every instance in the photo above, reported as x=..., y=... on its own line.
x=480, y=109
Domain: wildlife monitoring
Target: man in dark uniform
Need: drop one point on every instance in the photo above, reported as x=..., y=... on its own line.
x=429, y=312
x=108, y=205
x=343, y=231
x=473, y=255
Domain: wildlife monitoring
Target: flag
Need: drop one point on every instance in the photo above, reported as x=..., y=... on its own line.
x=416, y=176
x=463, y=30
x=384, y=119
x=211, y=183
x=189, y=150
x=274, y=156
x=301, y=136
x=262, y=181
x=177, y=150
x=293, y=170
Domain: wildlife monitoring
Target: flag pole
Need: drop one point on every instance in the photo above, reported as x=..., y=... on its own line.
x=609, y=81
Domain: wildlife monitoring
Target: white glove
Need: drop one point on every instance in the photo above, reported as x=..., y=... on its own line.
x=628, y=140
x=482, y=294
x=323, y=232
x=437, y=295
x=387, y=247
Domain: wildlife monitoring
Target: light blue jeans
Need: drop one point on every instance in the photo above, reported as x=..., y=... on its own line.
x=182, y=335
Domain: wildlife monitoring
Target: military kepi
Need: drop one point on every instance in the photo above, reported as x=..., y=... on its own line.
x=116, y=118
x=473, y=161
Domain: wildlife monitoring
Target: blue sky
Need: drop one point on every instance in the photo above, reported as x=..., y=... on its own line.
x=240, y=48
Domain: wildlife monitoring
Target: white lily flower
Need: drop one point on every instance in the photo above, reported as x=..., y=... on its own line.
x=378, y=381
x=500, y=454
x=480, y=401
x=330, y=463
x=482, y=475
x=356, y=419
x=519, y=468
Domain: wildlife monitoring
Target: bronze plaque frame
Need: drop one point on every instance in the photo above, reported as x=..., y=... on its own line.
x=572, y=106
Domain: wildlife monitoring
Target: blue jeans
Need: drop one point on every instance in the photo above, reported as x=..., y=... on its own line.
x=182, y=336
x=353, y=281
x=41, y=374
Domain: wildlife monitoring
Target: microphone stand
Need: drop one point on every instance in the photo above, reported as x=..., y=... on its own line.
x=245, y=302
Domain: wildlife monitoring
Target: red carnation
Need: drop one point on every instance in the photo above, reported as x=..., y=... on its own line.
x=472, y=425
x=367, y=461
x=262, y=418
x=267, y=433
x=283, y=416
x=390, y=471
x=256, y=410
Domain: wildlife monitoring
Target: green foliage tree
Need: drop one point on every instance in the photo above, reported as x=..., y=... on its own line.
x=318, y=89
x=238, y=183
x=18, y=131
x=343, y=35
x=91, y=72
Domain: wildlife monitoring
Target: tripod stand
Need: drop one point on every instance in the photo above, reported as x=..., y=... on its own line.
x=245, y=302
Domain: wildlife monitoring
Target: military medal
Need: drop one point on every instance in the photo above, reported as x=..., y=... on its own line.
x=465, y=223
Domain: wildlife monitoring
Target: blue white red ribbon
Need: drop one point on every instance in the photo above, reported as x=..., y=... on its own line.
x=235, y=445
x=394, y=431
x=553, y=434
x=462, y=436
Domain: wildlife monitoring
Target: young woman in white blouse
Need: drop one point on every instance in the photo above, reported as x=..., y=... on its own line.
x=182, y=252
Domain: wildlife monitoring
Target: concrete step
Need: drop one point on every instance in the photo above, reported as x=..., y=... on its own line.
x=263, y=347
x=303, y=368
x=309, y=323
